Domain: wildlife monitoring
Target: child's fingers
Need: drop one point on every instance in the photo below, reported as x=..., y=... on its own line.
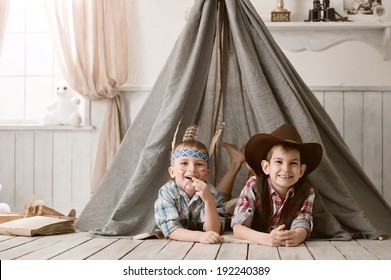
x=280, y=227
x=198, y=182
x=211, y=237
x=215, y=237
x=200, y=185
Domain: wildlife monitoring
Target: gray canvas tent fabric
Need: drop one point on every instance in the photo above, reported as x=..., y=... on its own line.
x=225, y=66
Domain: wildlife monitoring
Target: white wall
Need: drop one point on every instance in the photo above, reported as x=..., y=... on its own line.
x=154, y=28
x=155, y=25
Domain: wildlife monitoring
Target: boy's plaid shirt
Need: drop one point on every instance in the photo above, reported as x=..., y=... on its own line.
x=174, y=209
x=249, y=200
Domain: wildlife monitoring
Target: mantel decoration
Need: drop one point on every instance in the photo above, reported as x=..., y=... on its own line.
x=322, y=11
x=365, y=7
x=280, y=14
x=379, y=11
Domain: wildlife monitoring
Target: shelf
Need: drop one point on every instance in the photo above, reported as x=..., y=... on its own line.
x=318, y=36
x=44, y=127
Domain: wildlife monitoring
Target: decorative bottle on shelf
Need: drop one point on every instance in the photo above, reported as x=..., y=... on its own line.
x=379, y=11
x=280, y=14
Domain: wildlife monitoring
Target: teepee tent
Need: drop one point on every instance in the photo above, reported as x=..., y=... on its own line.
x=225, y=66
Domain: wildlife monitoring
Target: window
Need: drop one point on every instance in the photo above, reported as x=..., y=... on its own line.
x=29, y=70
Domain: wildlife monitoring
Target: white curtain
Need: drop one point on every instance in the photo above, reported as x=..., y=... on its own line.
x=92, y=48
x=4, y=8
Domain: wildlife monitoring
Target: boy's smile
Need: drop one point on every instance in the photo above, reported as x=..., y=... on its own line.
x=284, y=168
x=183, y=168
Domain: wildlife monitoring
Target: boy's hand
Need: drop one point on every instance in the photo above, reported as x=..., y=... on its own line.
x=275, y=236
x=210, y=237
x=202, y=190
x=292, y=238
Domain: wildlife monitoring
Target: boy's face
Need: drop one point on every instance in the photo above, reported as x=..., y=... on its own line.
x=284, y=168
x=188, y=167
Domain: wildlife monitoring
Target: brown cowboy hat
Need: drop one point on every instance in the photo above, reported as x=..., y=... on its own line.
x=258, y=146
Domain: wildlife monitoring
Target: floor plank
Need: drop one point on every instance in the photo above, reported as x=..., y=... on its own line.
x=146, y=250
x=5, y=237
x=174, y=250
x=232, y=251
x=261, y=252
x=295, y=253
x=352, y=250
x=381, y=249
x=9, y=243
x=85, y=250
x=324, y=250
x=28, y=247
x=66, y=242
x=117, y=250
x=203, y=252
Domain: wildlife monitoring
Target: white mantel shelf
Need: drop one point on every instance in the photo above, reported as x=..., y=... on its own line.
x=318, y=36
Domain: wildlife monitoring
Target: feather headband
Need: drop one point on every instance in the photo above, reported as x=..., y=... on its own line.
x=191, y=134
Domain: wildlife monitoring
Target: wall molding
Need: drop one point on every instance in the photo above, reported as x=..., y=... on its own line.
x=351, y=88
x=130, y=89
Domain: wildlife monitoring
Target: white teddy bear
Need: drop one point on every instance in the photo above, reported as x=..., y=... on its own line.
x=4, y=207
x=64, y=109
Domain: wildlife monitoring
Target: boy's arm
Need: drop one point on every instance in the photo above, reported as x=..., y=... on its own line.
x=212, y=222
x=304, y=218
x=212, y=227
x=276, y=237
x=209, y=237
x=212, y=218
x=268, y=239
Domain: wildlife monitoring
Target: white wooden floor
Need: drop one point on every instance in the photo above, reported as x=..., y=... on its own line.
x=82, y=246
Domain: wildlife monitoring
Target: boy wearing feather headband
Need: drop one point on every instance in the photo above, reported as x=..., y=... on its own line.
x=188, y=208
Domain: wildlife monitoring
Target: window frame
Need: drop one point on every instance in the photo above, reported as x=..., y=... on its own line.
x=50, y=77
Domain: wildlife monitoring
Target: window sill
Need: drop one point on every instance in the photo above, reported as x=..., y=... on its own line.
x=44, y=127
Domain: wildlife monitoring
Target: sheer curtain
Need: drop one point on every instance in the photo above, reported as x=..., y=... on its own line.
x=4, y=8
x=92, y=48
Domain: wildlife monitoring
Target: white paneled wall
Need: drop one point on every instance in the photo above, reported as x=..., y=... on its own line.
x=362, y=116
x=53, y=165
x=56, y=165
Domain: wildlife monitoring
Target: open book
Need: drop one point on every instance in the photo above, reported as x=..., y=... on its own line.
x=38, y=225
x=6, y=217
x=149, y=235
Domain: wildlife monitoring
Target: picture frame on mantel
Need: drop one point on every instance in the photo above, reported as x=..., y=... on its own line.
x=361, y=10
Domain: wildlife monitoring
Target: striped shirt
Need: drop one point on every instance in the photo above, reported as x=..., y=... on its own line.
x=174, y=209
x=249, y=200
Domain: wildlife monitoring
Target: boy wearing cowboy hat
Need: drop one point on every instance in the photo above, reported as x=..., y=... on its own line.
x=275, y=206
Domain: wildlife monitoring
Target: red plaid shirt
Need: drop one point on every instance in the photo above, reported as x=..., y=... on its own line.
x=249, y=200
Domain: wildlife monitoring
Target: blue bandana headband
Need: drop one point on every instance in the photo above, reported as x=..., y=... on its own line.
x=190, y=153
